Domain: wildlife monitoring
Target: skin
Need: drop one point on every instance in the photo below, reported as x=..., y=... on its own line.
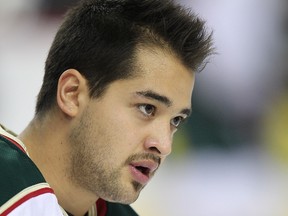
x=84, y=147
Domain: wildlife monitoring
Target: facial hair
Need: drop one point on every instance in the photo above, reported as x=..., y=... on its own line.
x=91, y=167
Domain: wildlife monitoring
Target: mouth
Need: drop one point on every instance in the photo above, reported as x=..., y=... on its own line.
x=142, y=171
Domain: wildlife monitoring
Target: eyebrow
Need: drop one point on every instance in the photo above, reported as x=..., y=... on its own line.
x=155, y=96
x=161, y=98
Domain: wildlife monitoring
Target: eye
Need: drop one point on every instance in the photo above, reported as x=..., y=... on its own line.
x=177, y=121
x=147, y=109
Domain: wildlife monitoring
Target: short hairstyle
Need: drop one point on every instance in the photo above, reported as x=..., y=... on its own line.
x=99, y=38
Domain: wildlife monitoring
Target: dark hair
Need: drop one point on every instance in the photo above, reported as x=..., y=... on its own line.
x=99, y=38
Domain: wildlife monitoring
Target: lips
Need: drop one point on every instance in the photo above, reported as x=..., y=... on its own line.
x=142, y=171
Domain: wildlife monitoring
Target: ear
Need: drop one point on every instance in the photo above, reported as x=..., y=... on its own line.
x=71, y=86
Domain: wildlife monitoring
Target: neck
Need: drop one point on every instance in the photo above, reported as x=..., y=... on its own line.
x=51, y=154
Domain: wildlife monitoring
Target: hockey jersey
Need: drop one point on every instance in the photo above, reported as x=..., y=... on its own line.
x=24, y=191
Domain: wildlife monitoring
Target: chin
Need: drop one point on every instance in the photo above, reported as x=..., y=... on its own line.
x=124, y=200
x=127, y=196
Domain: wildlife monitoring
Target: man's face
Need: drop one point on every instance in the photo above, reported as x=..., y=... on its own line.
x=122, y=137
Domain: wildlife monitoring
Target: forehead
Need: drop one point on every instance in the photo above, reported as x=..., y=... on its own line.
x=161, y=72
x=148, y=58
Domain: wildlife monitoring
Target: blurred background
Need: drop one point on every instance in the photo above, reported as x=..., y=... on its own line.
x=231, y=157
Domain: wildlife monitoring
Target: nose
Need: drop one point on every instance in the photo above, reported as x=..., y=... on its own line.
x=159, y=140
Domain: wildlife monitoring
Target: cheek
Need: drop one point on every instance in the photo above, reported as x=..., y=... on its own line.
x=115, y=126
x=119, y=132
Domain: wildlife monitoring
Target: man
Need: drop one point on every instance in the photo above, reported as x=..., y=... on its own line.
x=118, y=83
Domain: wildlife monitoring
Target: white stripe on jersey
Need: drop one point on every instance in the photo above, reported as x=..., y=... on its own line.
x=35, y=200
